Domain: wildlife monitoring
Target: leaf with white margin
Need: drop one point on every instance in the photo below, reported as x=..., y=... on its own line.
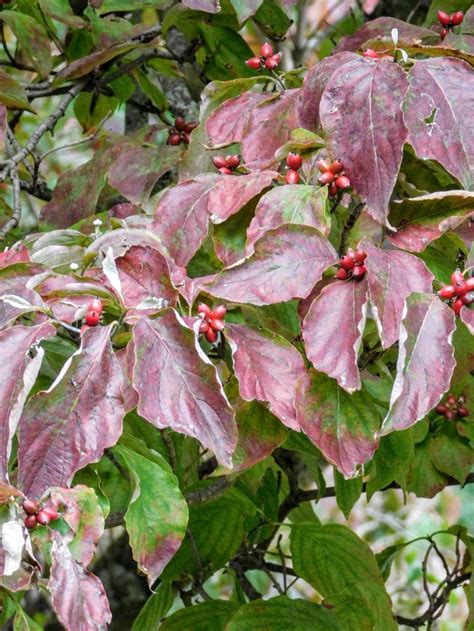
x=12, y=539
x=110, y=270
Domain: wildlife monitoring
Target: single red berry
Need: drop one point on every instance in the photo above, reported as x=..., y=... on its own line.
x=219, y=162
x=95, y=305
x=326, y=178
x=346, y=262
x=294, y=161
x=457, y=18
x=273, y=62
x=51, y=512
x=30, y=522
x=211, y=336
x=30, y=507
x=468, y=298
x=457, y=279
x=450, y=415
x=322, y=165
x=447, y=292
x=233, y=161
x=336, y=167
x=190, y=127
x=444, y=18
x=470, y=283
x=255, y=63
x=443, y=33
x=180, y=123
x=217, y=325
x=457, y=306
x=43, y=518
x=341, y=274
x=463, y=411
x=219, y=312
x=333, y=190
x=292, y=177
x=441, y=409
x=451, y=399
x=185, y=137
x=359, y=272
x=266, y=50
x=226, y=171
x=370, y=52
x=174, y=139
x=92, y=318
x=343, y=182
x=204, y=327
x=360, y=256
x=204, y=309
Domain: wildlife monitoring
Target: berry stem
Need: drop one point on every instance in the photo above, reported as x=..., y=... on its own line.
x=277, y=80
x=351, y=220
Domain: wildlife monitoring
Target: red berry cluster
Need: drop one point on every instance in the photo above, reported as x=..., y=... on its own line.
x=94, y=309
x=448, y=21
x=35, y=514
x=294, y=162
x=180, y=131
x=333, y=174
x=452, y=407
x=352, y=265
x=266, y=60
x=460, y=293
x=212, y=321
x=226, y=165
x=370, y=52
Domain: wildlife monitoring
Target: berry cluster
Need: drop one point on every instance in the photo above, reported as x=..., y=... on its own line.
x=352, y=265
x=448, y=21
x=333, y=174
x=452, y=407
x=266, y=60
x=370, y=52
x=35, y=514
x=293, y=162
x=180, y=131
x=212, y=321
x=460, y=293
x=226, y=165
x=94, y=309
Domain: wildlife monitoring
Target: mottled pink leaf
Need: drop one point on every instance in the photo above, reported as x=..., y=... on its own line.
x=123, y=210
x=425, y=361
x=16, y=254
x=343, y=426
x=178, y=386
x=231, y=193
x=438, y=111
x=286, y=264
x=181, y=219
x=17, y=380
x=14, y=280
x=267, y=368
x=126, y=359
x=78, y=597
x=228, y=123
x=361, y=113
x=68, y=426
x=7, y=492
x=423, y=219
x=303, y=205
x=392, y=277
x=467, y=316
x=209, y=6
x=333, y=328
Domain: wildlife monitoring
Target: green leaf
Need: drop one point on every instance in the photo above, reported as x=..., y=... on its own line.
x=12, y=93
x=151, y=90
x=282, y=613
x=450, y=454
x=157, y=515
x=23, y=622
x=390, y=459
x=245, y=8
x=32, y=40
x=91, y=110
x=272, y=20
x=213, y=614
x=125, y=6
x=225, y=53
x=155, y=608
x=422, y=477
x=365, y=607
x=61, y=11
x=347, y=492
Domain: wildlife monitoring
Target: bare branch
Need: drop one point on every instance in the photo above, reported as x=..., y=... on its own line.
x=15, y=218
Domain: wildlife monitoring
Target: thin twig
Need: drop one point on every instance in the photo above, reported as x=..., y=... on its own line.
x=15, y=218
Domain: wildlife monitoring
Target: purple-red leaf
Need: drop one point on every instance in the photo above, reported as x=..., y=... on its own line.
x=78, y=597
x=178, y=386
x=267, y=367
x=341, y=425
x=231, y=193
x=17, y=381
x=68, y=426
x=467, y=316
x=438, y=107
x=361, y=113
x=286, y=264
x=425, y=361
x=17, y=254
x=126, y=359
x=392, y=277
x=228, y=123
x=333, y=328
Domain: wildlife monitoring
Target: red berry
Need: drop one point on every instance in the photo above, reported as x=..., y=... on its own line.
x=294, y=161
x=190, y=126
x=211, y=336
x=370, y=52
x=326, y=178
x=95, y=305
x=292, y=177
x=273, y=62
x=52, y=512
x=359, y=272
x=341, y=274
x=443, y=33
x=30, y=507
x=174, y=139
x=463, y=411
x=185, y=137
x=43, y=517
x=219, y=162
x=225, y=171
x=343, y=182
x=254, y=63
x=180, y=123
x=457, y=306
x=468, y=298
x=457, y=18
x=447, y=292
x=322, y=165
x=441, y=409
x=217, y=325
x=30, y=522
x=450, y=415
x=266, y=50
x=461, y=289
x=232, y=161
x=204, y=309
x=336, y=167
x=333, y=190
x=457, y=279
x=346, y=262
x=204, y=327
x=470, y=283
x=92, y=318
x=360, y=256
x=451, y=399
x=444, y=18
x=219, y=312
